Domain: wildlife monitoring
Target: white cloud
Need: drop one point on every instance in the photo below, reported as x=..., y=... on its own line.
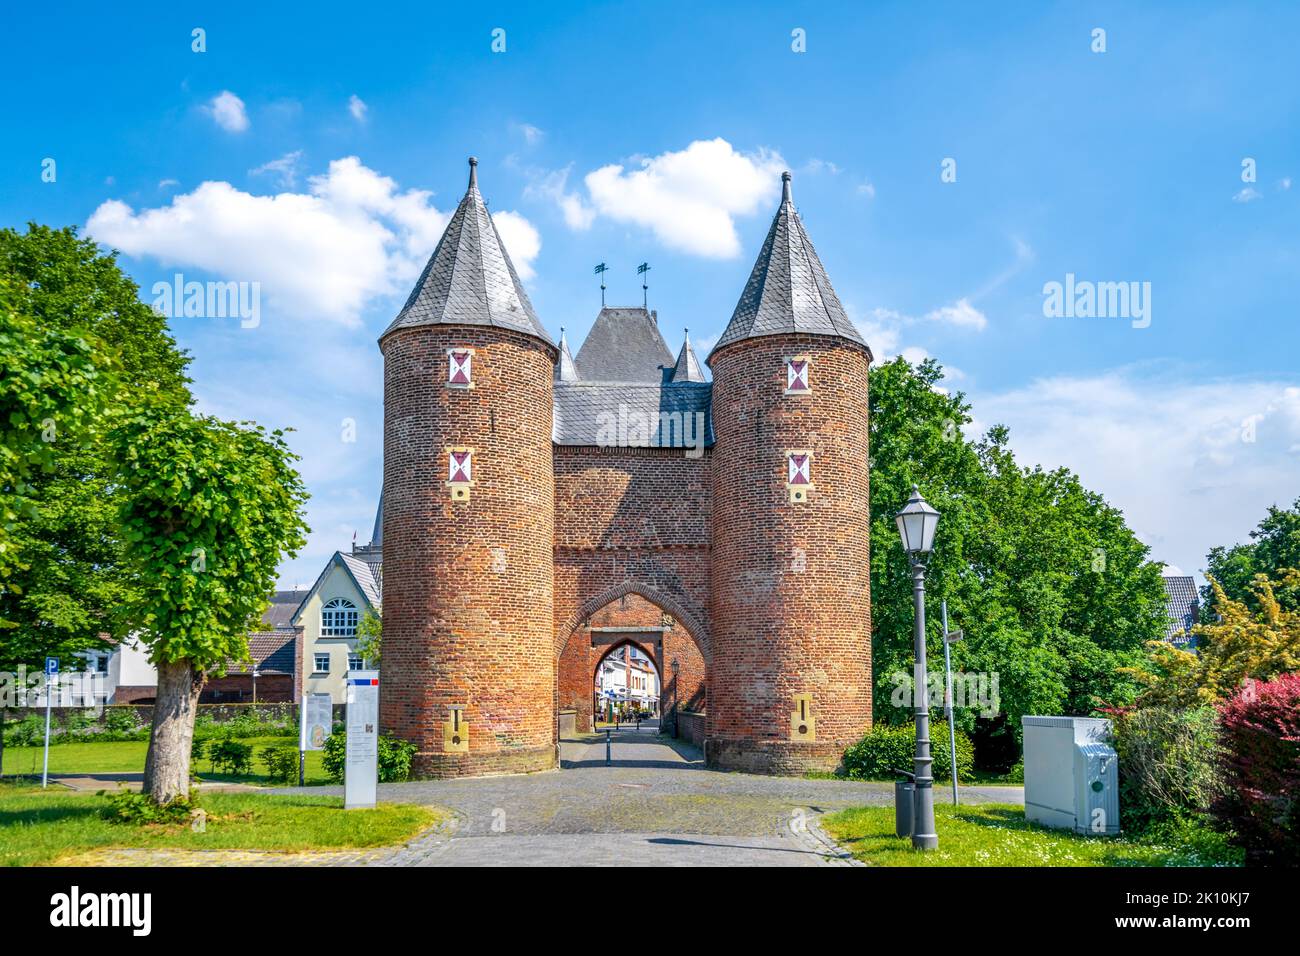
x=554, y=187
x=815, y=166
x=531, y=134
x=688, y=198
x=1284, y=183
x=1248, y=194
x=522, y=240
x=320, y=255
x=867, y=189
x=961, y=313
x=168, y=183
x=1170, y=448
x=285, y=169
x=358, y=108
x=227, y=111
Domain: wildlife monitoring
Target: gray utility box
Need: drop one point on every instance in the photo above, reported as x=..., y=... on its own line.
x=1071, y=774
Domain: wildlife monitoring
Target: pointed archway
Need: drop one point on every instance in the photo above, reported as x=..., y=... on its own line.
x=628, y=615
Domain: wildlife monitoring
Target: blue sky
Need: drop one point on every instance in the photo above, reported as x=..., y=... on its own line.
x=319, y=156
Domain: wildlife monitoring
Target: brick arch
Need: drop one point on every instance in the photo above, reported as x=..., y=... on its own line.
x=694, y=626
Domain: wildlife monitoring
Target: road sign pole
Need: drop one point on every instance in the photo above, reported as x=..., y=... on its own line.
x=947, y=702
x=51, y=670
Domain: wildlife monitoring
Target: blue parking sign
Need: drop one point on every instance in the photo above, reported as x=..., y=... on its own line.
x=51, y=666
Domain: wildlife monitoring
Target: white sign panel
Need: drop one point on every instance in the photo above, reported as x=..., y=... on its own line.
x=317, y=721
x=361, y=766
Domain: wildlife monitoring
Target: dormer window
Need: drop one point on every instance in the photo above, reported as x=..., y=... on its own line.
x=460, y=368
x=797, y=380
x=338, y=618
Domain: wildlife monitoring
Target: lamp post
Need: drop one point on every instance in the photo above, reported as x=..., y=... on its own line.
x=916, y=524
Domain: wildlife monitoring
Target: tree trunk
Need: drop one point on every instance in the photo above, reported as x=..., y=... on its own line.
x=167, y=766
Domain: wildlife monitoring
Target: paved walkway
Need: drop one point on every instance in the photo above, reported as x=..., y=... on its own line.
x=656, y=805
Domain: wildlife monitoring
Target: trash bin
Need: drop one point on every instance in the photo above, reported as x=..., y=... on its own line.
x=903, y=795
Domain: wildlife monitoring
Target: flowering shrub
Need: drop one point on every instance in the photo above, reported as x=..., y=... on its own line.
x=1260, y=736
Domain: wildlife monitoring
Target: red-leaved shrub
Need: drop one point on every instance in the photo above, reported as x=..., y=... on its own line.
x=1260, y=729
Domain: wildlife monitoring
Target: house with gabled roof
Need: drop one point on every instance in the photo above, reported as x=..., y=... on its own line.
x=349, y=585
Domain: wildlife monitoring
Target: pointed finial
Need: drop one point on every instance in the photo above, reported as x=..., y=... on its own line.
x=473, y=173
x=785, y=187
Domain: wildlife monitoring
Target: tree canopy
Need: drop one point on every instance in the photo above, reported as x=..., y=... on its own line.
x=1273, y=550
x=1053, y=590
x=66, y=588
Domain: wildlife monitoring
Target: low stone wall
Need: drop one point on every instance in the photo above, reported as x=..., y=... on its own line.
x=568, y=723
x=690, y=726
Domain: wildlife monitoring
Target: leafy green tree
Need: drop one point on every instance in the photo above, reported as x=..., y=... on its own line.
x=1273, y=550
x=1053, y=590
x=370, y=632
x=65, y=592
x=1255, y=640
x=208, y=509
x=52, y=391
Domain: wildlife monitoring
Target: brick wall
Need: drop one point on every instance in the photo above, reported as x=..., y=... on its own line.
x=468, y=616
x=790, y=583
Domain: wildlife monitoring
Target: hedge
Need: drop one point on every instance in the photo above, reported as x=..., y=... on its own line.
x=886, y=749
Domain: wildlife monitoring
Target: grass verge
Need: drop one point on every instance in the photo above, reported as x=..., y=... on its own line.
x=40, y=827
x=127, y=756
x=995, y=834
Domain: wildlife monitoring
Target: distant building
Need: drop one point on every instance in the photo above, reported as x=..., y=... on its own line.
x=1183, y=603
x=349, y=586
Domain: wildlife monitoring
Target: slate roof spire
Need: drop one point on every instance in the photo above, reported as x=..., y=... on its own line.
x=565, y=370
x=687, y=368
x=788, y=289
x=469, y=279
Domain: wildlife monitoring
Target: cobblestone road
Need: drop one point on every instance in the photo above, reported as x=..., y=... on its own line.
x=656, y=805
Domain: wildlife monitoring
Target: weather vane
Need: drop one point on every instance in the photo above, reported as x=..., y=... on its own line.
x=641, y=270
x=601, y=269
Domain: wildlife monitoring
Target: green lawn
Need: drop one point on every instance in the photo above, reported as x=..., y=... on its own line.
x=996, y=834
x=128, y=757
x=40, y=827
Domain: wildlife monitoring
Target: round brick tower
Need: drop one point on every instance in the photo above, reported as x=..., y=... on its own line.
x=468, y=664
x=790, y=683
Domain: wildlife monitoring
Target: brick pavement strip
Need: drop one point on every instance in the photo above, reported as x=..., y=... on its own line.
x=656, y=806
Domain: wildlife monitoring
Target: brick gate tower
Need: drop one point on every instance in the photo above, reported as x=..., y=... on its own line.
x=468, y=666
x=790, y=682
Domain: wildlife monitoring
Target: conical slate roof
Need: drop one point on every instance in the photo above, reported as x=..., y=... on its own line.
x=469, y=279
x=565, y=370
x=788, y=291
x=687, y=368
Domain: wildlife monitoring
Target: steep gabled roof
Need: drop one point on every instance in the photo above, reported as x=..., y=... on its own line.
x=469, y=279
x=364, y=576
x=1182, y=602
x=687, y=368
x=788, y=290
x=624, y=345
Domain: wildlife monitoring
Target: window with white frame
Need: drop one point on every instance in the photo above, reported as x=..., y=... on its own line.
x=355, y=662
x=322, y=664
x=338, y=619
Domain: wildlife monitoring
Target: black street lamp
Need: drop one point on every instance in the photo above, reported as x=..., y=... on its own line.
x=916, y=524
